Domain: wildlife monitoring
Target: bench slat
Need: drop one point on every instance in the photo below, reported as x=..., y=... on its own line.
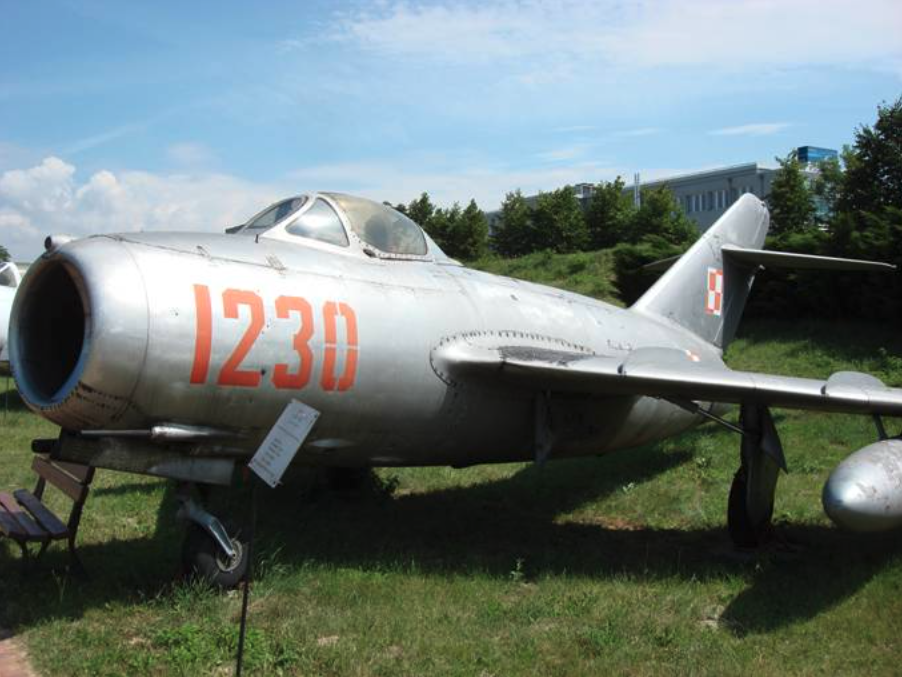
x=10, y=527
x=79, y=472
x=29, y=526
x=42, y=514
x=59, y=479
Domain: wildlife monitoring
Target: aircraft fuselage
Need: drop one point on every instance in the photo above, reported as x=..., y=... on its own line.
x=222, y=331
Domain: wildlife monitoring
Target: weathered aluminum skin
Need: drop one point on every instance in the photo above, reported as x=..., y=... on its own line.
x=9, y=282
x=139, y=347
x=864, y=492
x=6, y=304
x=744, y=225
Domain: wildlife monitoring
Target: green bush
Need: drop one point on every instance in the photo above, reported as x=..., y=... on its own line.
x=632, y=279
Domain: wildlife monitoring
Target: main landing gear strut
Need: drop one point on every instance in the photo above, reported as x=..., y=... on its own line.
x=751, y=503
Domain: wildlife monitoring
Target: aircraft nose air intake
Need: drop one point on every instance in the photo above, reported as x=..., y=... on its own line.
x=79, y=334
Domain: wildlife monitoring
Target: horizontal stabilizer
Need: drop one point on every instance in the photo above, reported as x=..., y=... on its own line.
x=773, y=259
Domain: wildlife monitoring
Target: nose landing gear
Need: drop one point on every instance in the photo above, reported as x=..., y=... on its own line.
x=204, y=557
x=214, y=551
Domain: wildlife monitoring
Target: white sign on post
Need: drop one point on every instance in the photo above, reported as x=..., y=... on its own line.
x=283, y=441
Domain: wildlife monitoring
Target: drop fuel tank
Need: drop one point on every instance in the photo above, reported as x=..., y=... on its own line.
x=864, y=492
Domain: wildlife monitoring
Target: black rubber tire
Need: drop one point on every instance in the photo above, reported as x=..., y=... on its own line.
x=202, y=557
x=742, y=533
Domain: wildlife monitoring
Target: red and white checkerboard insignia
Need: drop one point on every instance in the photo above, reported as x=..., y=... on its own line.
x=714, y=297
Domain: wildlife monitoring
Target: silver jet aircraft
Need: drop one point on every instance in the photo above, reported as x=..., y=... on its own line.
x=9, y=281
x=172, y=354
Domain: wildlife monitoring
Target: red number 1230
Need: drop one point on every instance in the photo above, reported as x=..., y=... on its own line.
x=231, y=373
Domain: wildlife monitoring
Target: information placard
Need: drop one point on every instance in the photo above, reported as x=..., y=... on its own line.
x=283, y=441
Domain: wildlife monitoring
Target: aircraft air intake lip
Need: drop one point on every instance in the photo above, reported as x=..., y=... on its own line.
x=51, y=336
x=80, y=334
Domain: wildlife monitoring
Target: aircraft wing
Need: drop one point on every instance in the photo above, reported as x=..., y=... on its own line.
x=668, y=373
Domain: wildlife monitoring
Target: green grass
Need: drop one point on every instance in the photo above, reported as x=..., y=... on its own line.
x=588, y=273
x=617, y=564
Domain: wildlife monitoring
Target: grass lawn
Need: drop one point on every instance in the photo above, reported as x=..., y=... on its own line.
x=617, y=564
x=588, y=273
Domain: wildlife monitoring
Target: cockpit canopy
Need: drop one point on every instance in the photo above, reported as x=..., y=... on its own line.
x=273, y=215
x=382, y=227
x=332, y=217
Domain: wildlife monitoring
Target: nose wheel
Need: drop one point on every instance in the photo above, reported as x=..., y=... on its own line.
x=203, y=556
x=214, y=551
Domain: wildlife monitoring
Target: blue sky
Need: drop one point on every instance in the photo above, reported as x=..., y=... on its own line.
x=191, y=116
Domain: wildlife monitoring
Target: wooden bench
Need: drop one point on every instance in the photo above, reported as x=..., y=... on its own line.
x=25, y=519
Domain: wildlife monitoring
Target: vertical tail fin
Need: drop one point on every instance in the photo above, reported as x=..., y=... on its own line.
x=702, y=291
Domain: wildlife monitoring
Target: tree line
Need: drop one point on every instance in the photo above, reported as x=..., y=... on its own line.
x=461, y=233
x=556, y=221
x=852, y=209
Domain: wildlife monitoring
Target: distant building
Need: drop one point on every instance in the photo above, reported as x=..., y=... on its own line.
x=706, y=195
x=809, y=155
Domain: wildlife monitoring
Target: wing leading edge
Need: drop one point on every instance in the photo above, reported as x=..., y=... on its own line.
x=667, y=373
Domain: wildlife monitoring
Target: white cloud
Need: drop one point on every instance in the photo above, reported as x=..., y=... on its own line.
x=48, y=198
x=102, y=138
x=16, y=223
x=481, y=33
x=124, y=130
x=565, y=154
x=754, y=129
x=190, y=154
x=45, y=188
x=657, y=33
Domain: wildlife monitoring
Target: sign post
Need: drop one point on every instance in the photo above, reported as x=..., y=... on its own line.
x=269, y=464
x=282, y=442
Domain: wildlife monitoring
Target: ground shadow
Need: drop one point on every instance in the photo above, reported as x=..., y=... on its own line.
x=482, y=529
x=10, y=400
x=118, y=570
x=465, y=529
x=828, y=566
x=486, y=529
